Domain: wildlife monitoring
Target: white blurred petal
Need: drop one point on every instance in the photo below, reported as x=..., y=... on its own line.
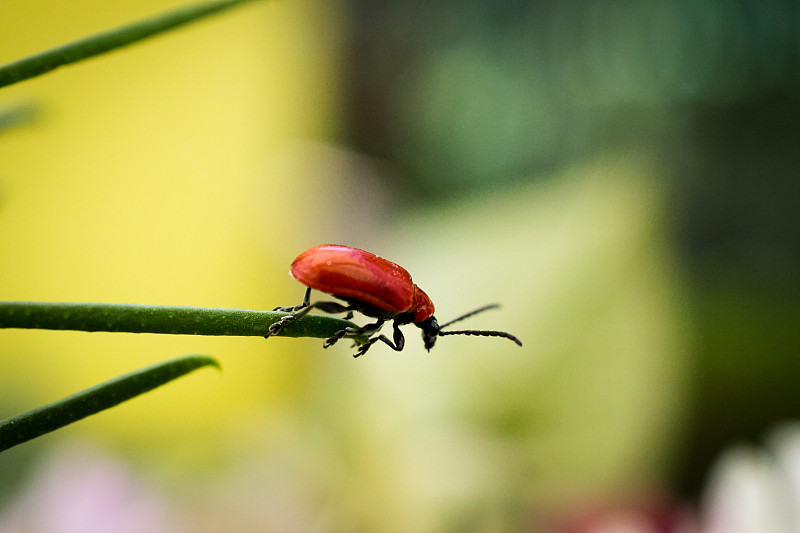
x=746, y=494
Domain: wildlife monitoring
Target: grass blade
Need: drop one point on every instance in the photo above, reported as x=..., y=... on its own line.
x=101, y=43
x=87, y=402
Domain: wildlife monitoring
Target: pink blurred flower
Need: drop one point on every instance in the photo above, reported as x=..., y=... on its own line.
x=649, y=515
x=80, y=490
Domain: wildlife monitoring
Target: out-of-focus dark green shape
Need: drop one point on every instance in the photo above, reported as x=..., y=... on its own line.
x=85, y=48
x=17, y=116
x=465, y=96
x=87, y=402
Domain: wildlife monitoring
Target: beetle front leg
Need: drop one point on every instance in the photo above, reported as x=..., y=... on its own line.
x=399, y=341
x=367, y=330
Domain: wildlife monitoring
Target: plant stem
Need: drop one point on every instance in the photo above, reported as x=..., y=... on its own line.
x=165, y=319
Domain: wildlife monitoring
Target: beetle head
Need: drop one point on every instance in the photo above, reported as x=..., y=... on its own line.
x=431, y=329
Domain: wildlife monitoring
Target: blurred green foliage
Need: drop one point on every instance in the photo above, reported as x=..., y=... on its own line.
x=641, y=231
x=465, y=97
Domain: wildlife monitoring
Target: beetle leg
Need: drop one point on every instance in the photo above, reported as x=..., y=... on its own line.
x=334, y=308
x=330, y=341
x=299, y=311
x=399, y=341
x=293, y=308
x=367, y=330
x=277, y=326
x=328, y=307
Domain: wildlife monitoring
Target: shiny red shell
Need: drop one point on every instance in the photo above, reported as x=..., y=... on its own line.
x=353, y=273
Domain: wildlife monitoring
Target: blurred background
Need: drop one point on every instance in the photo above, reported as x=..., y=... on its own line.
x=621, y=176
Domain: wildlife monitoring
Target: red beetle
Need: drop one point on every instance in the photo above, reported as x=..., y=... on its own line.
x=374, y=287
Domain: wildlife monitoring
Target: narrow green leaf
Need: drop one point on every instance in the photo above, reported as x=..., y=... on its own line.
x=167, y=319
x=85, y=48
x=87, y=402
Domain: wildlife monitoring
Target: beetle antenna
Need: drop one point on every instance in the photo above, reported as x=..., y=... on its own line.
x=475, y=312
x=478, y=332
x=483, y=333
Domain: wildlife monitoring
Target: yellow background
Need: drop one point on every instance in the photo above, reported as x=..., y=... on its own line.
x=191, y=169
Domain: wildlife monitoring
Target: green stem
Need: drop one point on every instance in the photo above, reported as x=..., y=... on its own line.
x=87, y=402
x=166, y=319
x=85, y=48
